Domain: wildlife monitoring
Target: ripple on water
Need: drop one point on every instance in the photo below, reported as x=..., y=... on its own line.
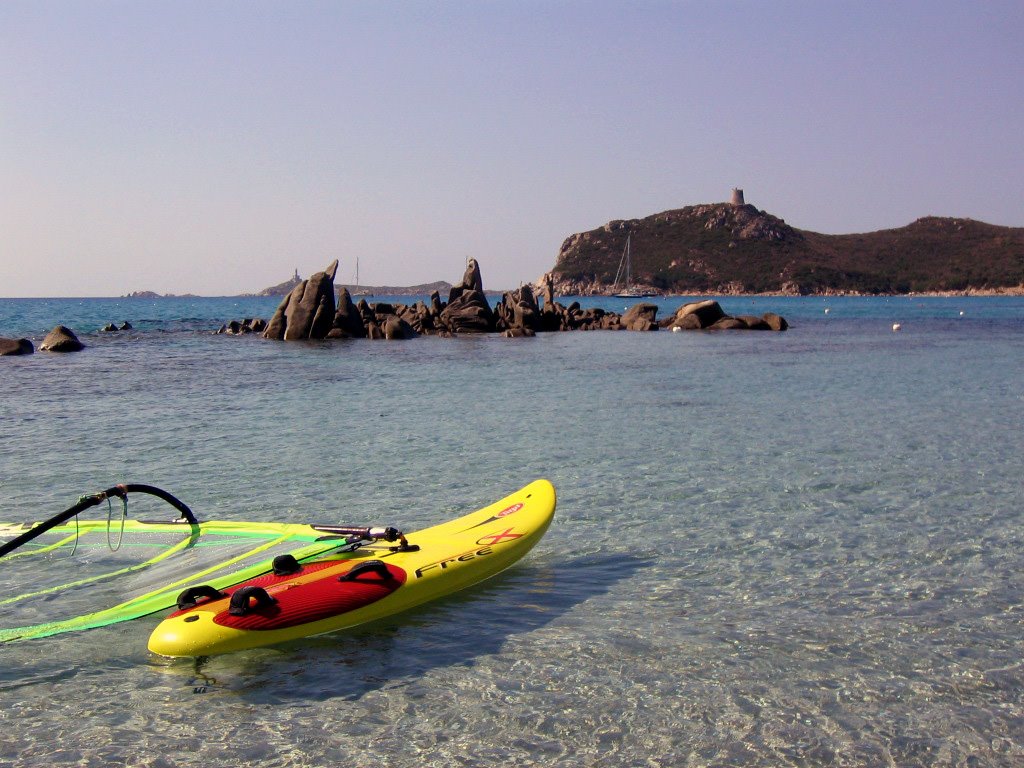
x=802, y=549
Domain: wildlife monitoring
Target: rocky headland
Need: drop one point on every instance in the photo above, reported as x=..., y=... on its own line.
x=736, y=249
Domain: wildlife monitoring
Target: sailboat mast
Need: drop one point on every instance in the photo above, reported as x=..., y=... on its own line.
x=629, y=262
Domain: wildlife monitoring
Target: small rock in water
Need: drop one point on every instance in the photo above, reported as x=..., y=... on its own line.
x=61, y=339
x=16, y=347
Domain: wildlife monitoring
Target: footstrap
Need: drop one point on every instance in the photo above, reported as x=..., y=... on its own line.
x=370, y=566
x=240, y=600
x=191, y=596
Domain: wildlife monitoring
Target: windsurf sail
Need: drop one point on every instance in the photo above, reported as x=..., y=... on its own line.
x=67, y=574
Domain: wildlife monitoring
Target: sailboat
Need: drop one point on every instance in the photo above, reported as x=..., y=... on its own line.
x=629, y=291
x=356, y=289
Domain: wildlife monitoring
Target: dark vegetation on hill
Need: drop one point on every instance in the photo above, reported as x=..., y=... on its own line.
x=728, y=249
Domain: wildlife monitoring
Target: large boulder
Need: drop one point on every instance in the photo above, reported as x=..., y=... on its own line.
x=685, y=323
x=775, y=322
x=420, y=317
x=467, y=310
x=641, y=317
x=394, y=327
x=61, y=339
x=728, y=324
x=706, y=312
x=471, y=279
x=308, y=311
x=552, y=317
x=701, y=315
x=548, y=286
x=348, y=322
x=518, y=310
x=16, y=347
x=754, y=323
x=436, y=307
x=574, y=318
x=366, y=314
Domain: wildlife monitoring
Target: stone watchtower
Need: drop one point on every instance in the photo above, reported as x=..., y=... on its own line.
x=737, y=197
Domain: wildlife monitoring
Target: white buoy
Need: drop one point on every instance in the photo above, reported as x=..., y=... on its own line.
x=896, y=326
x=961, y=313
x=827, y=310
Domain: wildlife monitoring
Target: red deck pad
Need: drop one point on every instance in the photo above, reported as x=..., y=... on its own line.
x=312, y=601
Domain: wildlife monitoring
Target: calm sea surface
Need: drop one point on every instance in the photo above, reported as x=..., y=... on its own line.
x=803, y=548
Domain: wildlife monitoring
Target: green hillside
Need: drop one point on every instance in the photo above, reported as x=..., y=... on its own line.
x=723, y=249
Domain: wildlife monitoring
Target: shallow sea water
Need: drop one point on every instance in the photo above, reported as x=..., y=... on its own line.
x=798, y=549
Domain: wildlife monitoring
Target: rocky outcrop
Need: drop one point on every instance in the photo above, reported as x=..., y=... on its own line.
x=574, y=318
x=708, y=315
x=348, y=323
x=15, y=347
x=308, y=311
x=242, y=327
x=468, y=310
x=704, y=315
x=517, y=314
x=61, y=339
x=641, y=317
x=394, y=327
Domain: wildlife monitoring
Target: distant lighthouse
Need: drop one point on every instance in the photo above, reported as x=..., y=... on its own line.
x=737, y=197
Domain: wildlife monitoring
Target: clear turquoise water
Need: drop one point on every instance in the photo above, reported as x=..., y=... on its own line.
x=770, y=549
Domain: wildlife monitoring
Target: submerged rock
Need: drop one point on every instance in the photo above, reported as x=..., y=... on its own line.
x=241, y=327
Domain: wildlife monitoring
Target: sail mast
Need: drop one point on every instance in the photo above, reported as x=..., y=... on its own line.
x=629, y=262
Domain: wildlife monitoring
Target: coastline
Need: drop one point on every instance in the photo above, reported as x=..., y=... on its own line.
x=974, y=292
x=1016, y=290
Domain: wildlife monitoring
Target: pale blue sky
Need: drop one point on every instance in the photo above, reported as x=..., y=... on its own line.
x=214, y=147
